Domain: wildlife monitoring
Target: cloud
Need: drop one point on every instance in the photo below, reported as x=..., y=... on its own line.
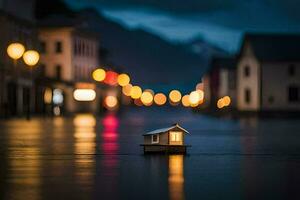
x=178, y=6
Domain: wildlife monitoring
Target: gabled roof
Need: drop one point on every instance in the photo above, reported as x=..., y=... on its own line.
x=274, y=47
x=162, y=130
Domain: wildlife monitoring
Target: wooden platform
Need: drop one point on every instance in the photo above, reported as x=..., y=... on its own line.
x=166, y=149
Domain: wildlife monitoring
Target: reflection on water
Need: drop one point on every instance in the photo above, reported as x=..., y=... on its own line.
x=84, y=148
x=110, y=148
x=176, y=177
x=24, y=161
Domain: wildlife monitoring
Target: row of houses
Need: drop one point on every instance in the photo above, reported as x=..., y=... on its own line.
x=69, y=52
x=264, y=76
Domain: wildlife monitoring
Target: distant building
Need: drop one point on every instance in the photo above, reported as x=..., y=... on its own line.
x=69, y=55
x=268, y=73
x=220, y=81
x=16, y=86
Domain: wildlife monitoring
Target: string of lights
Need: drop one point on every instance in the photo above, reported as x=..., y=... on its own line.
x=148, y=97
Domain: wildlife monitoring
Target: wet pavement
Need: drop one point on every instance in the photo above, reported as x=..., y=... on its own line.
x=87, y=157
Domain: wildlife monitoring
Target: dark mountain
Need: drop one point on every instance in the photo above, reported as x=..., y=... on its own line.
x=148, y=59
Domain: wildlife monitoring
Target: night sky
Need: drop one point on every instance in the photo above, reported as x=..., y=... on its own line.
x=220, y=22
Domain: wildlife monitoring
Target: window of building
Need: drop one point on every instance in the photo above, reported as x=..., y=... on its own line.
x=43, y=47
x=175, y=136
x=246, y=71
x=155, y=138
x=58, y=72
x=291, y=70
x=247, y=96
x=58, y=47
x=293, y=94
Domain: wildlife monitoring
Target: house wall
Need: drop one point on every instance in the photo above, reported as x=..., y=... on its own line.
x=227, y=85
x=207, y=90
x=251, y=83
x=275, y=83
x=15, y=81
x=85, y=59
x=163, y=139
x=51, y=59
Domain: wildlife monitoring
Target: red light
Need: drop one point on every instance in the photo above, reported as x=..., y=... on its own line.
x=111, y=78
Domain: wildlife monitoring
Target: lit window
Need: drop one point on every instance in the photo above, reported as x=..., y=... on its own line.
x=155, y=138
x=175, y=136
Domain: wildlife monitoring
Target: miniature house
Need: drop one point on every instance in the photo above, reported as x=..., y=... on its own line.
x=166, y=140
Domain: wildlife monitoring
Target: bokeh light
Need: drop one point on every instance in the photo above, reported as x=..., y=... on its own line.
x=99, y=74
x=201, y=94
x=15, y=50
x=226, y=100
x=160, y=99
x=175, y=96
x=146, y=98
x=84, y=94
x=200, y=86
x=111, y=78
x=185, y=100
x=220, y=103
x=123, y=79
x=138, y=102
x=194, y=97
x=126, y=90
x=135, y=92
x=31, y=57
x=110, y=102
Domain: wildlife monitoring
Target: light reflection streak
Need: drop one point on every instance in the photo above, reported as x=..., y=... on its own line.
x=25, y=160
x=176, y=177
x=110, y=148
x=84, y=148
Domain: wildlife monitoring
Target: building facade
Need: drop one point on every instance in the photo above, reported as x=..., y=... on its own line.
x=220, y=81
x=17, y=91
x=268, y=73
x=69, y=55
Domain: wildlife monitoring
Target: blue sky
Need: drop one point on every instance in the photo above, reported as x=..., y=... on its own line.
x=221, y=22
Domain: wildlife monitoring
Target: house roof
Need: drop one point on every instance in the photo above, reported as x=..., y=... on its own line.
x=162, y=130
x=274, y=47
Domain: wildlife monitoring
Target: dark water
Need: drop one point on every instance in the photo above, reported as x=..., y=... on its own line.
x=100, y=158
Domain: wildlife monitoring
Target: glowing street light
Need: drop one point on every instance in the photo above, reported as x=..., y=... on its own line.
x=15, y=50
x=31, y=57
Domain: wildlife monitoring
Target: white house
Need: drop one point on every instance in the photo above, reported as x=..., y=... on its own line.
x=268, y=73
x=69, y=55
